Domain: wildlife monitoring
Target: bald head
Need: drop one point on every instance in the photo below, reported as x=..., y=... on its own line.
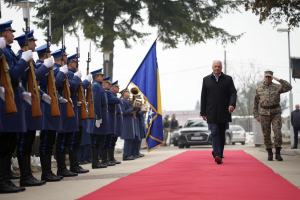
x=217, y=67
x=297, y=106
x=217, y=61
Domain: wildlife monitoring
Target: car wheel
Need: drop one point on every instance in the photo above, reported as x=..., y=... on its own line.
x=227, y=139
x=243, y=143
x=187, y=146
x=180, y=146
x=233, y=143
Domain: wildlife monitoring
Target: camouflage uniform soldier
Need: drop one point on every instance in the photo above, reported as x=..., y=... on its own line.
x=268, y=96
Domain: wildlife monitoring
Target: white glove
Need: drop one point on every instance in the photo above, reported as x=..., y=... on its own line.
x=79, y=103
x=47, y=98
x=79, y=74
x=27, y=55
x=27, y=97
x=87, y=104
x=2, y=43
x=71, y=100
x=98, y=122
x=49, y=62
x=89, y=78
x=62, y=100
x=64, y=69
x=2, y=92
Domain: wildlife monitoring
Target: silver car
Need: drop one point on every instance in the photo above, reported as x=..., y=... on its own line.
x=238, y=134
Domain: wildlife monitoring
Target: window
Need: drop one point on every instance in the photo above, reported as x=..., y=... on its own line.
x=195, y=123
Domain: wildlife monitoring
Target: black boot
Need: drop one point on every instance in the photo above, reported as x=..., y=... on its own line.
x=47, y=174
x=104, y=158
x=95, y=162
x=11, y=175
x=278, y=156
x=6, y=186
x=74, y=166
x=61, y=166
x=111, y=156
x=270, y=154
x=26, y=179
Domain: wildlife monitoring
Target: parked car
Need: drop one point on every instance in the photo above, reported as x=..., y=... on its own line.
x=195, y=132
x=175, y=137
x=238, y=134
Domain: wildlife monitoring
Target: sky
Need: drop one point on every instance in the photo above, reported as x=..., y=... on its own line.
x=182, y=69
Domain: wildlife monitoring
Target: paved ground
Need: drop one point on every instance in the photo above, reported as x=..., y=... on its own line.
x=73, y=188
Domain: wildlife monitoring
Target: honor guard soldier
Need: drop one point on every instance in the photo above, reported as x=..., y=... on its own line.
x=118, y=128
x=70, y=125
x=26, y=140
x=15, y=123
x=75, y=138
x=128, y=125
x=49, y=124
x=98, y=127
x=267, y=96
x=110, y=140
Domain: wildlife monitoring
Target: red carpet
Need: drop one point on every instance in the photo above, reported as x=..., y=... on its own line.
x=194, y=175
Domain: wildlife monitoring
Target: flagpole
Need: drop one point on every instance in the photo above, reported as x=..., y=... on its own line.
x=157, y=37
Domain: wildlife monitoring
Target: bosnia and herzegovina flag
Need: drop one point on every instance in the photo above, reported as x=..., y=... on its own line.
x=146, y=78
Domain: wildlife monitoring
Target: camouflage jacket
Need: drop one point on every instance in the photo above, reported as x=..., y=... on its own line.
x=269, y=95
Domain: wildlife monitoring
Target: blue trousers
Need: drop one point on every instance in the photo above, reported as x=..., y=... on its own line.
x=296, y=136
x=218, y=137
x=84, y=153
x=127, y=148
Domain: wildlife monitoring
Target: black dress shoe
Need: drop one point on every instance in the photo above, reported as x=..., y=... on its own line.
x=78, y=169
x=84, y=162
x=117, y=162
x=12, y=175
x=141, y=155
x=218, y=159
x=294, y=148
x=66, y=173
x=128, y=158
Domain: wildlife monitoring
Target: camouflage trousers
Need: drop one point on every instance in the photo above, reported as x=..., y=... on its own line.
x=266, y=121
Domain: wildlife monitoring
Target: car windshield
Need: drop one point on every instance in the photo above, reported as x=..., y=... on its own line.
x=237, y=128
x=195, y=123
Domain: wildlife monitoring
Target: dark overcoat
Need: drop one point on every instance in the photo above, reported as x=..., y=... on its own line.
x=71, y=124
x=128, y=121
x=33, y=124
x=82, y=122
x=112, y=100
x=216, y=97
x=49, y=122
x=100, y=110
x=14, y=122
x=142, y=124
x=119, y=117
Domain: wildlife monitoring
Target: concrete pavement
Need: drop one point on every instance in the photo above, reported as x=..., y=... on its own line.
x=76, y=187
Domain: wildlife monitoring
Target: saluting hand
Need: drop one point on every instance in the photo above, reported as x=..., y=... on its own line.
x=275, y=78
x=231, y=109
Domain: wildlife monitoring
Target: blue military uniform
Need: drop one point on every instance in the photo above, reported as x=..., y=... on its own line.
x=15, y=123
x=49, y=124
x=26, y=140
x=98, y=135
x=128, y=128
x=116, y=122
x=70, y=125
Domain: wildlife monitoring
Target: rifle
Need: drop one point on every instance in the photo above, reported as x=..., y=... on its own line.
x=51, y=82
x=10, y=105
x=81, y=96
x=89, y=91
x=32, y=86
x=67, y=94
